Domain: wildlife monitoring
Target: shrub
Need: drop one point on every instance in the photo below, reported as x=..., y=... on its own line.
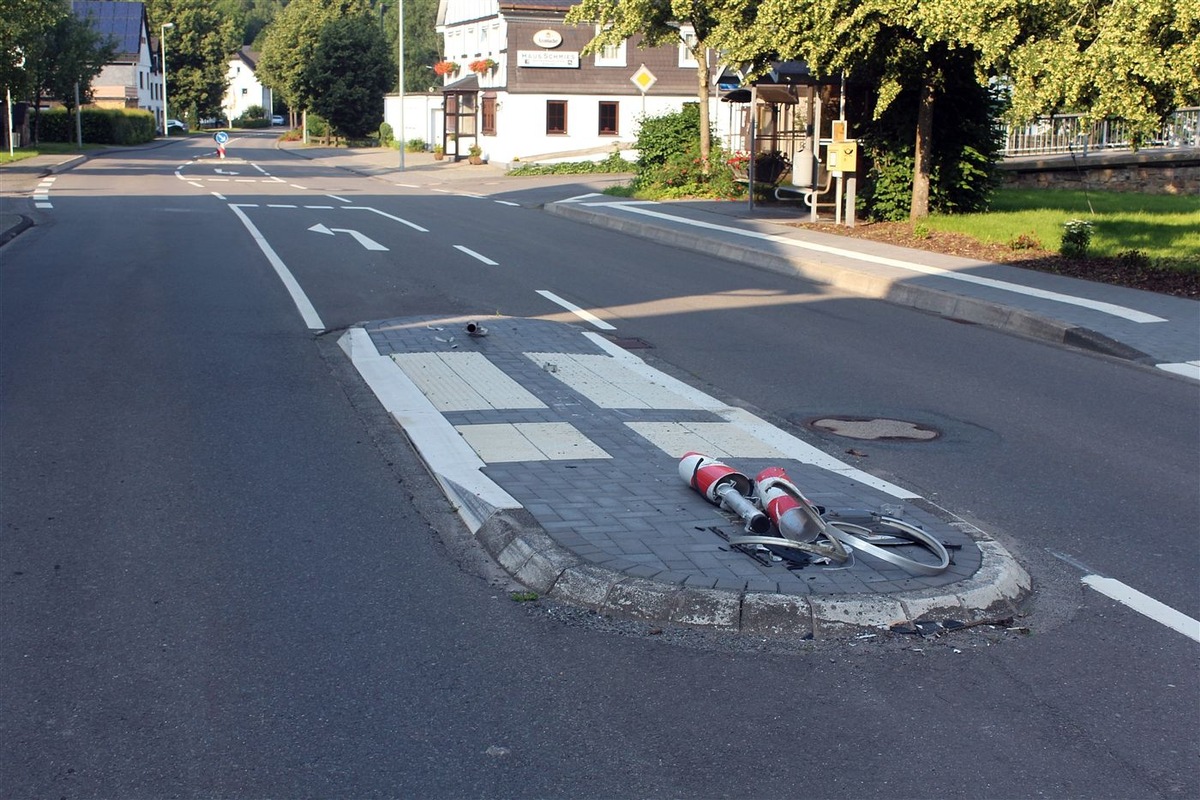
x=1076, y=238
x=415, y=146
x=1025, y=241
x=99, y=126
x=666, y=135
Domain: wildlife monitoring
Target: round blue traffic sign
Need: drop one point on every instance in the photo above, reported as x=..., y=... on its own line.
x=221, y=136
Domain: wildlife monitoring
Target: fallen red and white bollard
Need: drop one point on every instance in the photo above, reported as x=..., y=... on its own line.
x=724, y=486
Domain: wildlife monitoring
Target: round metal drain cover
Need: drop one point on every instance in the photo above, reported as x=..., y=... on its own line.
x=875, y=428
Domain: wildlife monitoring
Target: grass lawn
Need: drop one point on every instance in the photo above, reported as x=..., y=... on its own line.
x=1166, y=228
x=46, y=148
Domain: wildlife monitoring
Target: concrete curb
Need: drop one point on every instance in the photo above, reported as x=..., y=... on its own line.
x=516, y=541
x=23, y=224
x=864, y=283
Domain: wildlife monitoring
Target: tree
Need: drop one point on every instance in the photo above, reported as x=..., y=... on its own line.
x=350, y=71
x=660, y=21
x=198, y=51
x=290, y=40
x=422, y=42
x=23, y=25
x=1133, y=58
x=72, y=52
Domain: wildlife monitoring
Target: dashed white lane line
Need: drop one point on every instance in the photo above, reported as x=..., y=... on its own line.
x=475, y=255
x=298, y=186
x=1146, y=605
x=1133, y=315
x=281, y=205
x=582, y=313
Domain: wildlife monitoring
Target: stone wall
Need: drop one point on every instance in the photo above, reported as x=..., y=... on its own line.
x=1152, y=171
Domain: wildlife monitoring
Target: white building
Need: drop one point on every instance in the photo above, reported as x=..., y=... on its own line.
x=133, y=79
x=523, y=90
x=244, y=89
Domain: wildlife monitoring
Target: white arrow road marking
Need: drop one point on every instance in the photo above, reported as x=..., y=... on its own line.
x=220, y=171
x=361, y=238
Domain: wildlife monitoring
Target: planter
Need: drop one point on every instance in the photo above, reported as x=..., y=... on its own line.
x=474, y=159
x=438, y=156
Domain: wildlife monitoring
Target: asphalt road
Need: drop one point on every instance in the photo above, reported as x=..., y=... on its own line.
x=225, y=574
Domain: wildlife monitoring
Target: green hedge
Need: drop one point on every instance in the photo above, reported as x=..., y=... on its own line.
x=100, y=126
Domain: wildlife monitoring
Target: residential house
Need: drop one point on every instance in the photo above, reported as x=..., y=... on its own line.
x=245, y=90
x=518, y=85
x=134, y=78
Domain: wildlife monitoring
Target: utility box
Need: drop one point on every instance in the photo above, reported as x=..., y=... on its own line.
x=843, y=156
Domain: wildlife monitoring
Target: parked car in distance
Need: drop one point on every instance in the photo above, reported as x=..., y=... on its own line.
x=175, y=126
x=278, y=119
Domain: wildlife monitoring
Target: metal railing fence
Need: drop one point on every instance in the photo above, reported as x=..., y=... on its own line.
x=1066, y=133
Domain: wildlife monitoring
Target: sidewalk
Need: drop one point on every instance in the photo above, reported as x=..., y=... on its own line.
x=525, y=428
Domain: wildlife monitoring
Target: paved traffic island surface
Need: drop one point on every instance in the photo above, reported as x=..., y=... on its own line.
x=561, y=452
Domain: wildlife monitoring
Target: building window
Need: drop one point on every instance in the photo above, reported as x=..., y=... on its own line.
x=556, y=116
x=687, y=47
x=245, y=91
x=488, y=114
x=608, y=117
x=610, y=55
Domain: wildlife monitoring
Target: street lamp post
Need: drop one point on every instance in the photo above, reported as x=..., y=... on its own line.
x=400, y=47
x=162, y=40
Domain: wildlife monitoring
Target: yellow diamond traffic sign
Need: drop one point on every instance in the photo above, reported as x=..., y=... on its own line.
x=643, y=78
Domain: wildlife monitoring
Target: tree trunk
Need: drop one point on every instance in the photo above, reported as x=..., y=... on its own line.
x=923, y=153
x=702, y=75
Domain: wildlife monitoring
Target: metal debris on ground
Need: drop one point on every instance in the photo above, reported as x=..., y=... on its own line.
x=937, y=628
x=801, y=526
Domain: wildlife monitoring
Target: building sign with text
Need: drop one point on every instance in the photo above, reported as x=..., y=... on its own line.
x=548, y=58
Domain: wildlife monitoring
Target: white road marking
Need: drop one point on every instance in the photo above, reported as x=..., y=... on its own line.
x=583, y=314
x=246, y=180
x=218, y=180
x=196, y=184
x=339, y=199
x=311, y=318
x=579, y=197
x=1188, y=369
x=218, y=195
x=43, y=205
x=407, y=185
x=220, y=171
x=473, y=254
x=1146, y=605
x=366, y=241
x=412, y=225
x=298, y=186
x=794, y=448
x=507, y=203
x=321, y=208
x=457, y=468
x=260, y=169
x=1130, y=314
x=280, y=205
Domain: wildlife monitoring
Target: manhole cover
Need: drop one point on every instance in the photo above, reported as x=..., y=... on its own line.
x=874, y=429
